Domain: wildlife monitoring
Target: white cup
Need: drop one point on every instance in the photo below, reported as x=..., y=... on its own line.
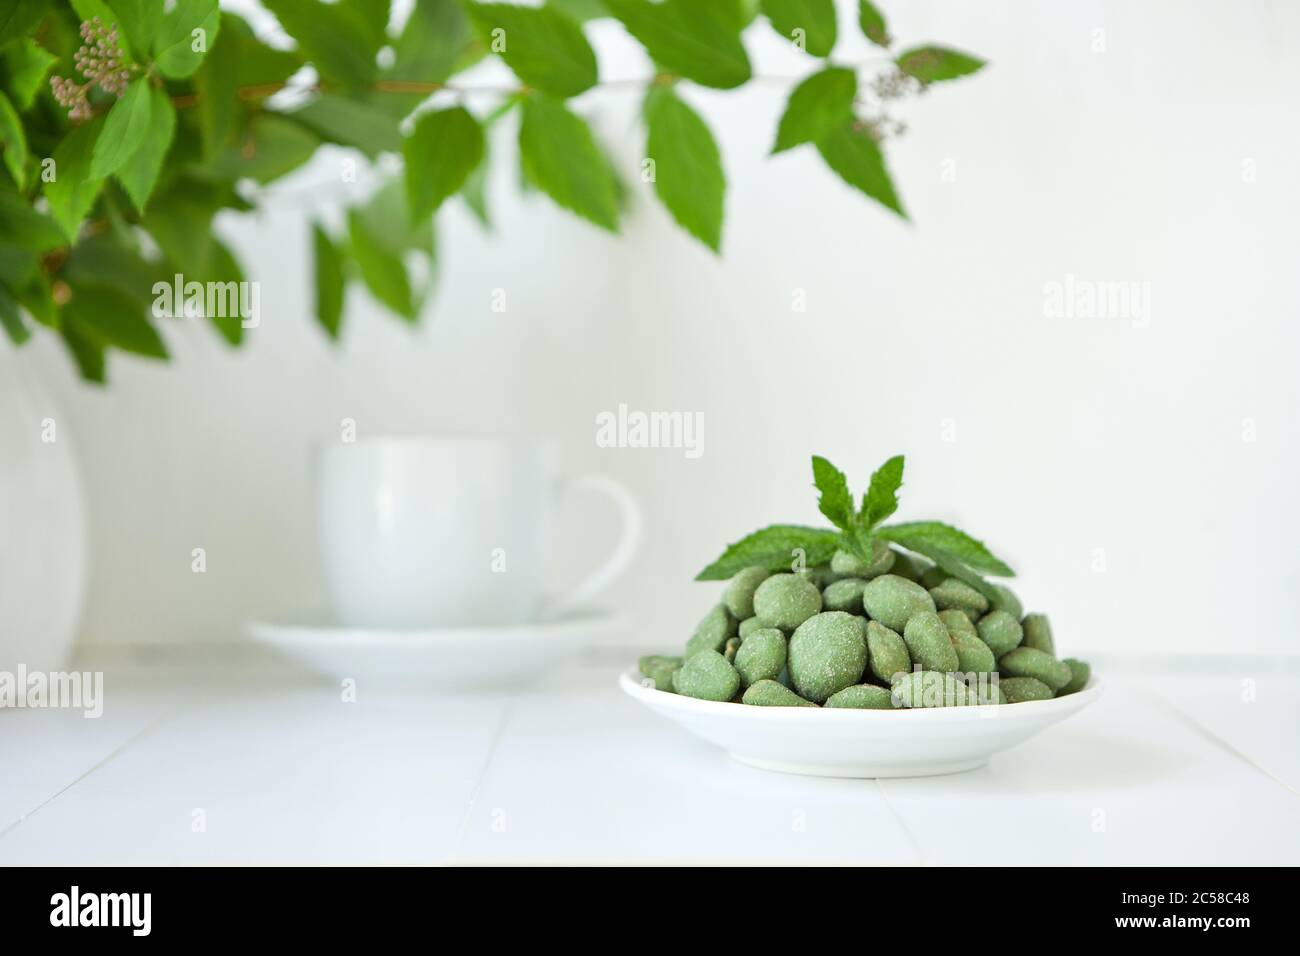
x=424, y=532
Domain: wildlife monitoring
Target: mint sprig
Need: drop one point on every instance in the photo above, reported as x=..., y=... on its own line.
x=784, y=547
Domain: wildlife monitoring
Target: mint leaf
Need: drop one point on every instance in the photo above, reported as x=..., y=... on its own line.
x=124, y=130
x=932, y=64
x=545, y=48
x=943, y=543
x=560, y=157
x=814, y=18
x=439, y=155
x=699, y=41
x=881, y=499
x=818, y=106
x=835, y=501
x=139, y=174
x=773, y=548
x=688, y=168
x=853, y=154
x=872, y=22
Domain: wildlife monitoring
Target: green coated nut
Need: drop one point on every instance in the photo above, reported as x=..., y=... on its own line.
x=928, y=642
x=739, y=595
x=892, y=600
x=1038, y=633
x=712, y=632
x=847, y=564
x=930, y=689
x=1080, y=671
x=863, y=697
x=886, y=652
x=1006, y=600
x=1027, y=662
x=733, y=645
x=707, y=676
x=786, y=601
x=821, y=575
x=973, y=655
x=1018, y=689
x=1000, y=631
x=827, y=653
x=933, y=576
x=748, y=626
x=909, y=566
x=768, y=693
x=659, y=669
x=956, y=595
x=761, y=656
x=844, y=595
x=985, y=691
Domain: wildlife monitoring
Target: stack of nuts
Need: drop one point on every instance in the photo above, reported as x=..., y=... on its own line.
x=895, y=632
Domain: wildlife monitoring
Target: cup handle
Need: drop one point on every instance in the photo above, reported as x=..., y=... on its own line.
x=607, y=571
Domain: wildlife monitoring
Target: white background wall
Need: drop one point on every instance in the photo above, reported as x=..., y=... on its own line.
x=1071, y=435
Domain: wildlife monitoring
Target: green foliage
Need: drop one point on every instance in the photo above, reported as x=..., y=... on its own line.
x=112, y=179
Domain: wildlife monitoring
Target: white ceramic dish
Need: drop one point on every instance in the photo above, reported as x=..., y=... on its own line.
x=451, y=658
x=860, y=743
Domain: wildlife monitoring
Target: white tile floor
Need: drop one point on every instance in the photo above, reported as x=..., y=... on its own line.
x=1176, y=770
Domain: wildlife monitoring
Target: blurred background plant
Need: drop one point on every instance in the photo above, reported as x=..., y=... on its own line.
x=127, y=125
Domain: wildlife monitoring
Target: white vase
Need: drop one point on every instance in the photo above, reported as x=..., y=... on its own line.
x=42, y=526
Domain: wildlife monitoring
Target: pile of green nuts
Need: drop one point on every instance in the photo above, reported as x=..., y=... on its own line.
x=895, y=632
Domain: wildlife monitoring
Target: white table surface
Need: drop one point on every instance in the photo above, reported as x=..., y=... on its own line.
x=253, y=764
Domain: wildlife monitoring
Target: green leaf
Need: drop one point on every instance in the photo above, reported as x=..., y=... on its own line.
x=124, y=130
x=87, y=354
x=225, y=269
x=383, y=272
x=140, y=174
x=351, y=123
x=774, y=548
x=19, y=16
x=881, y=499
x=872, y=22
x=72, y=191
x=698, y=41
x=439, y=155
x=330, y=282
x=218, y=90
x=545, y=48
x=13, y=140
x=436, y=42
x=385, y=216
x=934, y=539
x=25, y=65
x=185, y=35
x=326, y=34
x=854, y=155
x=835, y=501
x=375, y=14
x=810, y=24
x=688, y=173
x=23, y=227
x=272, y=147
x=139, y=21
x=820, y=105
x=111, y=318
x=256, y=63
x=933, y=64
x=560, y=157
x=11, y=318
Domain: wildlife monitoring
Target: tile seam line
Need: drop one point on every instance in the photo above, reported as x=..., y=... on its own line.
x=1203, y=731
x=902, y=824
x=463, y=827
x=98, y=765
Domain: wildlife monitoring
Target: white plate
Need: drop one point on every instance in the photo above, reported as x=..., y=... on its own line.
x=860, y=743
x=450, y=658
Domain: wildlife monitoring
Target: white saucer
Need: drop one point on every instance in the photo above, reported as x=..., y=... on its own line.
x=444, y=658
x=860, y=743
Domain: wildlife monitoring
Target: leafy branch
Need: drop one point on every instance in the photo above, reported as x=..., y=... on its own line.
x=861, y=532
x=128, y=126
